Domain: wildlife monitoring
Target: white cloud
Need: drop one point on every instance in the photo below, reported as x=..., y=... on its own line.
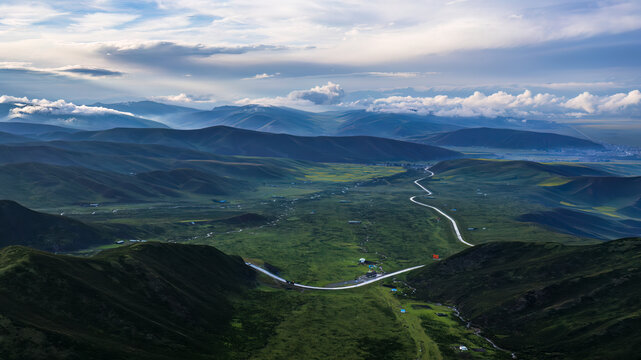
x=329, y=94
x=579, y=85
x=592, y=104
x=101, y=21
x=185, y=98
x=25, y=106
x=395, y=74
x=262, y=76
x=9, y=99
x=71, y=70
x=501, y=103
x=19, y=15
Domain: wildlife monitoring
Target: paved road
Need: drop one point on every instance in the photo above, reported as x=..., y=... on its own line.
x=367, y=282
x=454, y=224
x=378, y=278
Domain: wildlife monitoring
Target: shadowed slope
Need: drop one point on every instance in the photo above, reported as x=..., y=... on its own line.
x=546, y=300
x=145, y=301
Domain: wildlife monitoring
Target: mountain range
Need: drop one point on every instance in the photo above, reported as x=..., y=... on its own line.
x=428, y=129
x=507, y=139
x=225, y=140
x=77, y=119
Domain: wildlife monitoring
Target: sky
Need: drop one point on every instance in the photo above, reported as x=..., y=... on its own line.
x=541, y=58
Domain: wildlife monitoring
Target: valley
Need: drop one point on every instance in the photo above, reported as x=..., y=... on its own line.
x=320, y=180
x=124, y=202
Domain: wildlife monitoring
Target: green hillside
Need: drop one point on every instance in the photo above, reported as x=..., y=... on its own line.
x=603, y=190
x=546, y=300
x=192, y=181
x=517, y=170
x=144, y=301
x=135, y=158
x=45, y=185
x=21, y=226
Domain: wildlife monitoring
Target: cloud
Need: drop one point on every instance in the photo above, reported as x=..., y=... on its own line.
x=578, y=85
x=394, y=74
x=154, y=50
x=101, y=21
x=25, y=106
x=73, y=70
x=184, y=98
x=501, y=103
x=262, y=76
x=10, y=99
x=593, y=104
x=329, y=94
x=19, y=15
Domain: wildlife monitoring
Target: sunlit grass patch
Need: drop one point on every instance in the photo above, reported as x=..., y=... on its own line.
x=555, y=181
x=348, y=172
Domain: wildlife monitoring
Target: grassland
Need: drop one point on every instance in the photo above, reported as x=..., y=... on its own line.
x=299, y=228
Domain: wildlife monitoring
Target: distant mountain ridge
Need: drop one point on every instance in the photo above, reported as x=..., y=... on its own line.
x=232, y=141
x=259, y=118
x=331, y=123
x=397, y=126
x=507, y=139
x=29, y=129
x=87, y=119
x=7, y=138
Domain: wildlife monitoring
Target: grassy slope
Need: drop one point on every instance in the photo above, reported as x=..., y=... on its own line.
x=128, y=158
x=503, y=170
x=567, y=302
x=21, y=226
x=603, y=190
x=562, y=197
x=152, y=300
x=584, y=224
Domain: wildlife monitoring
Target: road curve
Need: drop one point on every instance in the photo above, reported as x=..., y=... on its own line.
x=452, y=221
x=367, y=282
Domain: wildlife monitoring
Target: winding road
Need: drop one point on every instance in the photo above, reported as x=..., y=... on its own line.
x=378, y=278
x=454, y=224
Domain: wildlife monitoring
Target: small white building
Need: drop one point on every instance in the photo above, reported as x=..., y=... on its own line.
x=462, y=348
x=361, y=260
